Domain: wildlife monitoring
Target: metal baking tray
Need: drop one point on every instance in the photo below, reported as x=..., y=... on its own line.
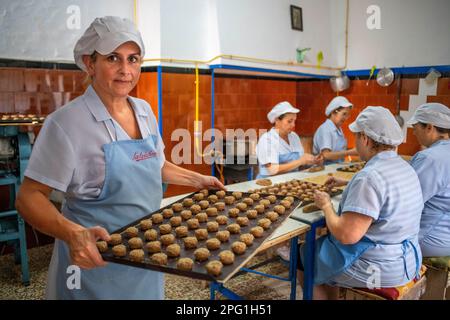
x=266, y=191
x=198, y=270
x=21, y=120
x=353, y=168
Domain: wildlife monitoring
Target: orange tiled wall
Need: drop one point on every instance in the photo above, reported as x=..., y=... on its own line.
x=147, y=89
x=178, y=112
x=240, y=102
x=244, y=103
x=38, y=91
x=314, y=96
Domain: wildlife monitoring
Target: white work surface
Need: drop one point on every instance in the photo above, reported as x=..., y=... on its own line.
x=291, y=227
x=297, y=214
x=288, y=229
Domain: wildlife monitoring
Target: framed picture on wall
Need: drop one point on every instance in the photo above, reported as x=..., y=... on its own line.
x=296, y=18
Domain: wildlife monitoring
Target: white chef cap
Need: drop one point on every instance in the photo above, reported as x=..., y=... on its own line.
x=433, y=113
x=104, y=35
x=336, y=103
x=280, y=109
x=379, y=124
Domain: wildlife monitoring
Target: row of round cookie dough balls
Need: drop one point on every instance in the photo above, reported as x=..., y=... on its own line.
x=202, y=217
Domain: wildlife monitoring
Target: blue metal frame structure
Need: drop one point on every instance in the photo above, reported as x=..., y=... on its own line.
x=213, y=171
x=12, y=226
x=308, y=264
x=264, y=70
x=400, y=70
x=160, y=124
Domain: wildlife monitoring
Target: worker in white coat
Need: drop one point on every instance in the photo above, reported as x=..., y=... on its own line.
x=280, y=149
x=431, y=124
x=329, y=139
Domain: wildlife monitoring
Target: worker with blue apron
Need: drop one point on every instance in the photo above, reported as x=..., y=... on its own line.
x=431, y=124
x=329, y=139
x=281, y=145
x=111, y=176
x=387, y=194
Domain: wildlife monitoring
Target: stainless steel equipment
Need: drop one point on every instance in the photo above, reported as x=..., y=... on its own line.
x=385, y=77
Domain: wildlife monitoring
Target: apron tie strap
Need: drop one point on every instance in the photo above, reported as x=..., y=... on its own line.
x=405, y=243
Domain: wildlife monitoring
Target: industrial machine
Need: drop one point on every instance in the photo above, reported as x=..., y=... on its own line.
x=15, y=150
x=239, y=159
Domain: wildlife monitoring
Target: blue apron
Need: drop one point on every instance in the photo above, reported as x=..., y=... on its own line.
x=333, y=258
x=131, y=190
x=282, y=158
x=341, y=145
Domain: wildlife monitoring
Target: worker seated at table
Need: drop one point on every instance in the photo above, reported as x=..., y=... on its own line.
x=373, y=238
x=329, y=139
x=431, y=124
x=280, y=150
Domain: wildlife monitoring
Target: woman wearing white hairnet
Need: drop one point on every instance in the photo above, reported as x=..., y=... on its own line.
x=105, y=152
x=431, y=124
x=329, y=139
x=373, y=238
x=280, y=150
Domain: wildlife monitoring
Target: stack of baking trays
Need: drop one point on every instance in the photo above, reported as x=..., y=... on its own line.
x=352, y=168
x=206, y=235
x=21, y=119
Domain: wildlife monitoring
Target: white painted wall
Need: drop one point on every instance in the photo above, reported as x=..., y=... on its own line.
x=178, y=29
x=148, y=18
x=413, y=33
x=262, y=29
x=38, y=29
x=184, y=26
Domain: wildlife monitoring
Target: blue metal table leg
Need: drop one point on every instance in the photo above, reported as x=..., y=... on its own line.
x=212, y=290
x=23, y=252
x=293, y=267
x=250, y=174
x=308, y=282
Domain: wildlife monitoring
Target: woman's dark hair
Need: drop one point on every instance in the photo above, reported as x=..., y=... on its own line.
x=439, y=129
x=282, y=116
x=377, y=145
x=88, y=80
x=94, y=56
x=338, y=109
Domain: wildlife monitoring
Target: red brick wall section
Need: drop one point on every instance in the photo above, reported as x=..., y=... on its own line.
x=38, y=91
x=244, y=103
x=239, y=103
x=178, y=112
x=314, y=96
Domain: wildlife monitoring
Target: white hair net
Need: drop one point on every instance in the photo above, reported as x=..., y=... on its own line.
x=280, y=109
x=336, y=103
x=433, y=113
x=104, y=35
x=379, y=124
